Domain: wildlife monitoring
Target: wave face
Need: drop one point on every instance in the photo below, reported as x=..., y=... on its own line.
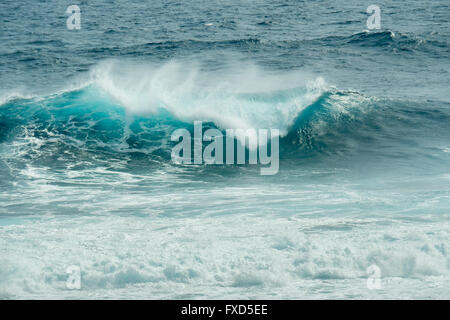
x=87, y=181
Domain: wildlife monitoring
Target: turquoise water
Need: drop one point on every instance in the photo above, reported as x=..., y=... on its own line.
x=87, y=179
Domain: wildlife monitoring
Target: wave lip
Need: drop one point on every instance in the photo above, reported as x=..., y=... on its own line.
x=241, y=97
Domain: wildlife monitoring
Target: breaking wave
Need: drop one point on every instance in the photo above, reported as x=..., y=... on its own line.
x=133, y=109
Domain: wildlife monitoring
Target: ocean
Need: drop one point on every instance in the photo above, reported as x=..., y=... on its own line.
x=92, y=205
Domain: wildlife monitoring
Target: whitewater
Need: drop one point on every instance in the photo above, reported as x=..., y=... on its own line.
x=87, y=180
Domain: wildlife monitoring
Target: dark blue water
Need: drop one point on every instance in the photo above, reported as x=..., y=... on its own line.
x=87, y=179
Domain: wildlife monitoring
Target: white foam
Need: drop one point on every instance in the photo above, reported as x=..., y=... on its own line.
x=156, y=257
